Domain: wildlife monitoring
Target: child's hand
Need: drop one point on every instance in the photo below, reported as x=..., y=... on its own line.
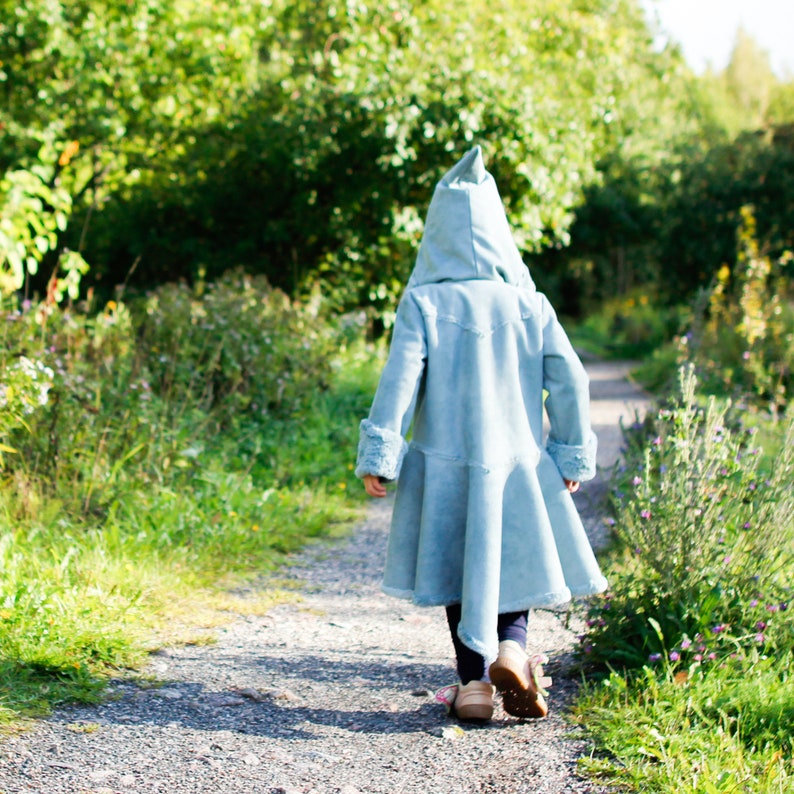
x=571, y=485
x=374, y=486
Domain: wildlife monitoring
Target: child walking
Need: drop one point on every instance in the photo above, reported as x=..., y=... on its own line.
x=483, y=520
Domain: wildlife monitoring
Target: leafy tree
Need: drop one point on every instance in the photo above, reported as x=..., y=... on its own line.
x=303, y=138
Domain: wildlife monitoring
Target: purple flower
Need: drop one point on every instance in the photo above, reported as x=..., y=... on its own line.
x=645, y=514
x=698, y=657
x=654, y=657
x=674, y=656
x=657, y=441
x=754, y=602
x=637, y=481
x=662, y=468
x=719, y=628
x=747, y=525
x=761, y=625
x=685, y=643
x=772, y=607
x=759, y=638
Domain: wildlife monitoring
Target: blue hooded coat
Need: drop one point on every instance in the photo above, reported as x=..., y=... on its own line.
x=482, y=516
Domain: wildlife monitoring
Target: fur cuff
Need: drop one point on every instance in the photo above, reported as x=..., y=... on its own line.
x=576, y=463
x=380, y=451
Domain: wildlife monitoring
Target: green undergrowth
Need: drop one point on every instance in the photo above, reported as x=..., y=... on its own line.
x=704, y=732
x=157, y=458
x=689, y=655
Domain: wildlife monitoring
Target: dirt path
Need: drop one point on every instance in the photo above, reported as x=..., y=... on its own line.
x=331, y=694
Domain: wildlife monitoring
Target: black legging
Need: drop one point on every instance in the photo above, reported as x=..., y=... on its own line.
x=471, y=666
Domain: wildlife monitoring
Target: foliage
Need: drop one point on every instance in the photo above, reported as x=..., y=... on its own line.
x=632, y=325
x=743, y=340
x=134, y=484
x=236, y=345
x=706, y=538
x=34, y=210
x=303, y=138
x=668, y=229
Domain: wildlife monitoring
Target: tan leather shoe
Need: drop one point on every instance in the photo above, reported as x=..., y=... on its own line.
x=520, y=680
x=474, y=701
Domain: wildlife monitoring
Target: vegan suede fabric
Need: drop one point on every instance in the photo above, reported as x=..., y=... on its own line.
x=482, y=516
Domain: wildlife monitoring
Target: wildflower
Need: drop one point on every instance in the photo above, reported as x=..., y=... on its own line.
x=654, y=657
x=772, y=607
x=662, y=468
x=657, y=441
x=754, y=602
x=610, y=522
x=637, y=481
x=712, y=656
x=759, y=638
x=718, y=629
x=674, y=656
x=761, y=625
x=746, y=355
x=747, y=525
x=685, y=643
x=645, y=514
x=698, y=657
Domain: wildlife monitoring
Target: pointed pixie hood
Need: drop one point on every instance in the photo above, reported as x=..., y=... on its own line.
x=467, y=235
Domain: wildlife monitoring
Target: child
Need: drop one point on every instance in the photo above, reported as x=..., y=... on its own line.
x=483, y=520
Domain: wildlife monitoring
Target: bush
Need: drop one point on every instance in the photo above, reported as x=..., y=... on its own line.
x=236, y=345
x=705, y=543
x=149, y=452
x=632, y=325
x=742, y=340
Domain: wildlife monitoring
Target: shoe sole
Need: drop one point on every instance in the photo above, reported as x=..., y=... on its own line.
x=520, y=696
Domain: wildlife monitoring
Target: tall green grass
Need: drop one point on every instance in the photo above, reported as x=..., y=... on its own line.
x=171, y=447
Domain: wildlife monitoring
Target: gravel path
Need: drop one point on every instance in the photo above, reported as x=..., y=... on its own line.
x=329, y=694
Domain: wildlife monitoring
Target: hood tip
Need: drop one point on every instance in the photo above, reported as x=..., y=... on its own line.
x=470, y=168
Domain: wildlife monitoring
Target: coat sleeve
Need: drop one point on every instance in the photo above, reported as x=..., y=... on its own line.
x=571, y=443
x=382, y=444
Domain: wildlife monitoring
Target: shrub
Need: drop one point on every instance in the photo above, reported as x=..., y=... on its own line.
x=705, y=543
x=632, y=325
x=742, y=340
x=235, y=345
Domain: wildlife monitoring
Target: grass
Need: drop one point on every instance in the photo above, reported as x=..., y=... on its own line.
x=152, y=525
x=694, y=733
